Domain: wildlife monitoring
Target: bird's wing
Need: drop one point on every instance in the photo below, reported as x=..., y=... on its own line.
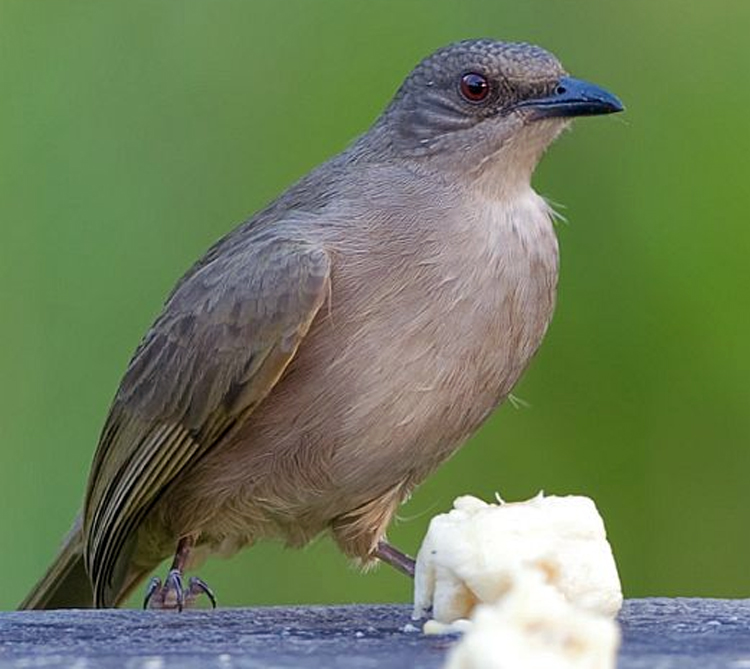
x=223, y=340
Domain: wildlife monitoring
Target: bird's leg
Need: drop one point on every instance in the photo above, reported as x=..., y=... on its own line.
x=172, y=594
x=394, y=557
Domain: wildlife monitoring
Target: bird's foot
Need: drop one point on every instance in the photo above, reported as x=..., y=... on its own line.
x=394, y=557
x=172, y=594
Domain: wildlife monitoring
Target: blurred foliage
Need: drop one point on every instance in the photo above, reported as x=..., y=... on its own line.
x=135, y=133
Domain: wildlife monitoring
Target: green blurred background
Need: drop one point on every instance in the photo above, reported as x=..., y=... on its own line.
x=135, y=133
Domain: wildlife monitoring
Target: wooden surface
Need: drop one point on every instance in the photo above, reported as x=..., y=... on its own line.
x=658, y=634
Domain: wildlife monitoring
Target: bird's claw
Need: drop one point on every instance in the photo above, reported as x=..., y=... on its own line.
x=172, y=594
x=198, y=586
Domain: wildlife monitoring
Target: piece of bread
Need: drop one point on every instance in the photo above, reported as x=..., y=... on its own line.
x=477, y=552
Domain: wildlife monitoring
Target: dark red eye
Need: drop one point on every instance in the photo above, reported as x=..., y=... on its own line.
x=474, y=87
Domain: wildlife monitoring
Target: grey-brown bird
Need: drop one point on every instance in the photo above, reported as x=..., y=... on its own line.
x=333, y=350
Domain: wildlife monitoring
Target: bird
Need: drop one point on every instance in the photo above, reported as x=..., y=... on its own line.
x=329, y=353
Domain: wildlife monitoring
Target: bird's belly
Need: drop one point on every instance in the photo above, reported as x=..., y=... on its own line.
x=387, y=384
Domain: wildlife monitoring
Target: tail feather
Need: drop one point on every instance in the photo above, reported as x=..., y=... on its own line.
x=66, y=584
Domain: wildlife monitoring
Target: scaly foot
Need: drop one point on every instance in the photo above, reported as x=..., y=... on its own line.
x=173, y=595
x=394, y=557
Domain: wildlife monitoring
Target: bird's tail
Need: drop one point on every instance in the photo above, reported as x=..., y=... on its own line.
x=66, y=584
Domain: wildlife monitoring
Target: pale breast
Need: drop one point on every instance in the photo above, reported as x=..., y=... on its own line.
x=427, y=329
x=443, y=342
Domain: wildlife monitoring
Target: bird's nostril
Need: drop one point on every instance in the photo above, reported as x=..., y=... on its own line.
x=561, y=90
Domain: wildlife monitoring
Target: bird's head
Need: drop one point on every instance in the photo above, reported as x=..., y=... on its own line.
x=488, y=109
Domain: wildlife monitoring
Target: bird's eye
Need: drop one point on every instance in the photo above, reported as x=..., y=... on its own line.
x=474, y=87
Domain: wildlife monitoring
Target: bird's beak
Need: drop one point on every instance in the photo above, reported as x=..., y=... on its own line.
x=573, y=97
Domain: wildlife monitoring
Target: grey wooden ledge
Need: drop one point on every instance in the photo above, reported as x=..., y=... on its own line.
x=658, y=634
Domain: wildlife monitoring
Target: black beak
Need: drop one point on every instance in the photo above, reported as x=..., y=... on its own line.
x=573, y=97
